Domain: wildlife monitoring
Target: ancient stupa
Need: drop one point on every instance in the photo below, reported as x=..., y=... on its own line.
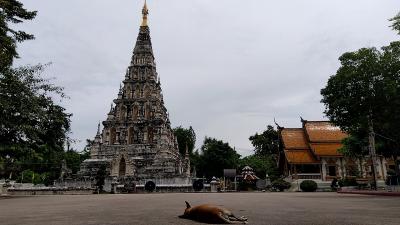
x=137, y=140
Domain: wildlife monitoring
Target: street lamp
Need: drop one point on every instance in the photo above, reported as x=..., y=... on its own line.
x=12, y=160
x=267, y=181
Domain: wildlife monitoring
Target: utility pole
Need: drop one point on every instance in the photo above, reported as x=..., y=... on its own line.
x=372, y=152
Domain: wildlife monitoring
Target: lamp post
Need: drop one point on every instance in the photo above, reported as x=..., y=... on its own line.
x=12, y=161
x=372, y=152
x=267, y=180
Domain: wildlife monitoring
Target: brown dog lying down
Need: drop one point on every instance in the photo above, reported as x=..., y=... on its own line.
x=211, y=214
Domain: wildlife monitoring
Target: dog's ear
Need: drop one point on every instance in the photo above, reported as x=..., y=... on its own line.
x=187, y=204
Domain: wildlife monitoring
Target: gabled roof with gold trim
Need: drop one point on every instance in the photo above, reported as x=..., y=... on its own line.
x=324, y=138
x=300, y=157
x=296, y=148
x=326, y=149
x=323, y=131
x=294, y=138
x=314, y=140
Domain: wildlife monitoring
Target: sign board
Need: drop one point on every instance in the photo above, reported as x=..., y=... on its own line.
x=230, y=173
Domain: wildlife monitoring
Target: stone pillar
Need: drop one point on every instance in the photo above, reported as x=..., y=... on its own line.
x=383, y=165
x=323, y=162
x=342, y=168
x=378, y=169
x=338, y=168
x=361, y=168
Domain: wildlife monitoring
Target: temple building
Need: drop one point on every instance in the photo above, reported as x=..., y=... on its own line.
x=136, y=140
x=311, y=152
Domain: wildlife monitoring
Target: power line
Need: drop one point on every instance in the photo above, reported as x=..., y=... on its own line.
x=390, y=139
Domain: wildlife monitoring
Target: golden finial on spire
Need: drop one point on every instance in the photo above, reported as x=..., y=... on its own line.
x=145, y=12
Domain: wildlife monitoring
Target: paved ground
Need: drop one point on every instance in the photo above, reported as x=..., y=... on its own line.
x=162, y=209
x=368, y=192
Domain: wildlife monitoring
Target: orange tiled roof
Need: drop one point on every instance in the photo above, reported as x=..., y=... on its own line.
x=326, y=149
x=300, y=157
x=294, y=138
x=323, y=131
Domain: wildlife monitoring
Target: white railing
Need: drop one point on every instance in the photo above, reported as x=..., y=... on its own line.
x=307, y=176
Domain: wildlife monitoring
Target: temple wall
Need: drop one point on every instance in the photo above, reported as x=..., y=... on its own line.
x=361, y=165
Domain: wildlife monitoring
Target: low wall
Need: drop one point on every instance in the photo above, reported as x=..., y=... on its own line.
x=172, y=188
x=83, y=186
x=164, y=184
x=49, y=191
x=74, y=183
x=321, y=185
x=326, y=185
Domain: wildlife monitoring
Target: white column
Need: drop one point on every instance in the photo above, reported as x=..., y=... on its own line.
x=323, y=168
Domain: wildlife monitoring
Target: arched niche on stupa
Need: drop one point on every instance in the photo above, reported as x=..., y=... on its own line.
x=112, y=136
x=122, y=165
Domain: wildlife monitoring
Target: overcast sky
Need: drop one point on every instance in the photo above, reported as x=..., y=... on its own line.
x=227, y=67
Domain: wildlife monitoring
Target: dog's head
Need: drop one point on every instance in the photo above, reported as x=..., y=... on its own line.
x=187, y=210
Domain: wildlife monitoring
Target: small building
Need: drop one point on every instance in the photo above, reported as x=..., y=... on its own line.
x=248, y=174
x=311, y=152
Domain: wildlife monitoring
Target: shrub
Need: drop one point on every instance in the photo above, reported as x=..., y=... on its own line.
x=247, y=186
x=348, y=182
x=100, y=177
x=28, y=176
x=308, y=186
x=280, y=184
x=392, y=180
x=391, y=172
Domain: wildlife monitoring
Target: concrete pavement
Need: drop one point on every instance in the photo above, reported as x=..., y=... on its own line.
x=260, y=208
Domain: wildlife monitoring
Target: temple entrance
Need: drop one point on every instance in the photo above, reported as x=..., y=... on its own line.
x=331, y=170
x=308, y=168
x=307, y=171
x=122, y=168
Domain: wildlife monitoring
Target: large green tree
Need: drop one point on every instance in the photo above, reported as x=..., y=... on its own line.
x=185, y=137
x=74, y=159
x=364, y=92
x=396, y=23
x=215, y=156
x=33, y=128
x=12, y=12
x=266, y=143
